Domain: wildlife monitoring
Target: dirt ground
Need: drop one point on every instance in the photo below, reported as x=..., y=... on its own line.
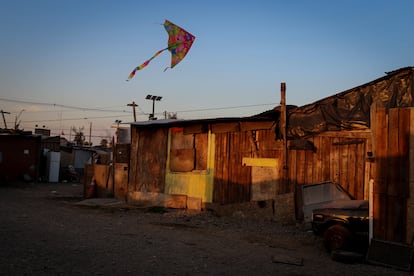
x=45, y=231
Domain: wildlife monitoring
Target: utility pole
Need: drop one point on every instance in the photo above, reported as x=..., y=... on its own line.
x=283, y=126
x=90, y=133
x=133, y=104
x=117, y=129
x=4, y=119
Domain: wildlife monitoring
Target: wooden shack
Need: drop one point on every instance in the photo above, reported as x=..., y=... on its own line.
x=206, y=159
x=361, y=134
x=349, y=138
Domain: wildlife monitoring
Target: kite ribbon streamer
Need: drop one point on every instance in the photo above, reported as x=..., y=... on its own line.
x=144, y=64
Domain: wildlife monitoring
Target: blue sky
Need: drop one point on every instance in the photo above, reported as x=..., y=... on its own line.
x=60, y=59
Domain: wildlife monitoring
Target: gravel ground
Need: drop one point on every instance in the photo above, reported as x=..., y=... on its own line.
x=45, y=231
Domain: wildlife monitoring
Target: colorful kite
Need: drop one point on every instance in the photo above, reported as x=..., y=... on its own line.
x=179, y=43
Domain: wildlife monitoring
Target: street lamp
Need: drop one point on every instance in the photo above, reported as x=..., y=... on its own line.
x=153, y=98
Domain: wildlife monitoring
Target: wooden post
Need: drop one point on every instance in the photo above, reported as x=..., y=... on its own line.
x=410, y=200
x=283, y=126
x=90, y=133
x=114, y=160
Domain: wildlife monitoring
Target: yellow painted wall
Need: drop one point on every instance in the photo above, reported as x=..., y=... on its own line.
x=260, y=162
x=196, y=183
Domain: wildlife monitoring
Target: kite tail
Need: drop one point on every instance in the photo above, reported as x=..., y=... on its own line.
x=144, y=64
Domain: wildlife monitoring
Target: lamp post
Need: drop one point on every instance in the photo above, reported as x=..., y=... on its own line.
x=153, y=98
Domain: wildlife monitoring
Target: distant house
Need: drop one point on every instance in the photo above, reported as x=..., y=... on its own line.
x=50, y=156
x=351, y=137
x=19, y=156
x=51, y=143
x=77, y=156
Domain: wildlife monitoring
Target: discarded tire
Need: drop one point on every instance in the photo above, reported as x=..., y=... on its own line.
x=336, y=237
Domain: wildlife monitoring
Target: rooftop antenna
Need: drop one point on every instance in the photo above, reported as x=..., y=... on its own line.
x=4, y=119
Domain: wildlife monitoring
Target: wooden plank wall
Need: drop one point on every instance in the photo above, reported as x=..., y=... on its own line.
x=338, y=156
x=231, y=179
x=392, y=175
x=410, y=201
x=148, y=160
x=269, y=147
x=121, y=180
x=102, y=177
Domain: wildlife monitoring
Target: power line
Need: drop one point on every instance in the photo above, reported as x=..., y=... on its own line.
x=76, y=119
x=123, y=111
x=60, y=105
x=228, y=107
x=93, y=136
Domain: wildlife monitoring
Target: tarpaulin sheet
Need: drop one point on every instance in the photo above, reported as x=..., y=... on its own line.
x=350, y=110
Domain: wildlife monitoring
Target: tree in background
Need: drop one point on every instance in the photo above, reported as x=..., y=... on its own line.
x=104, y=143
x=172, y=115
x=79, y=138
